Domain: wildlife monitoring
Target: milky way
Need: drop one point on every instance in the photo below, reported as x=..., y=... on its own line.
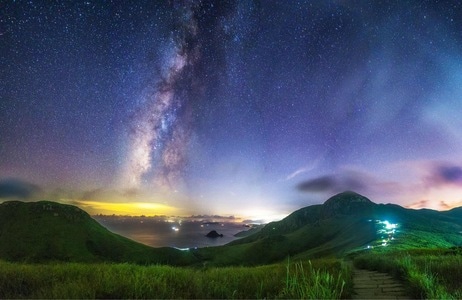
x=231, y=107
x=160, y=130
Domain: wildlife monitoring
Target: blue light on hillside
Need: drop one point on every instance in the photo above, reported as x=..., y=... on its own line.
x=389, y=226
x=386, y=231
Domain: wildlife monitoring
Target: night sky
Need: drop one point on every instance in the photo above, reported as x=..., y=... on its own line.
x=246, y=108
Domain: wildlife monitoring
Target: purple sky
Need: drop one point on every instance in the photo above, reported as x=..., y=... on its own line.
x=252, y=108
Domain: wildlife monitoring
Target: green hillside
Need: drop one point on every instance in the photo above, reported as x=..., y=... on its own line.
x=424, y=228
x=331, y=229
x=345, y=223
x=44, y=231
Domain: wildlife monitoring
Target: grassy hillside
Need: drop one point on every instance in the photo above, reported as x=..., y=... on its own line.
x=417, y=245
x=423, y=228
x=332, y=229
x=326, y=238
x=345, y=223
x=44, y=231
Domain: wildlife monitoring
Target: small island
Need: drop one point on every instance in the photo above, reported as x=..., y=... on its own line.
x=213, y=234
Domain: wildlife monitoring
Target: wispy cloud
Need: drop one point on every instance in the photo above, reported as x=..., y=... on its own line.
x=298, y=172
x=418, y=204
x=361, y=182
x=441, y=205
x=445, y=205
x=304, y=169
x=11, y=188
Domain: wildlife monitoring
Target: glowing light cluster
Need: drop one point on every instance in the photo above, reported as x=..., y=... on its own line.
x=387, y=232
x=389, y=226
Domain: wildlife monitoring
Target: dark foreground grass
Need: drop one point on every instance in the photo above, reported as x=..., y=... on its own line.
x=431, y=273
x=320, y=279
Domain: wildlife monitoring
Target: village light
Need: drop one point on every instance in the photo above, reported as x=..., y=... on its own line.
x=389, y=226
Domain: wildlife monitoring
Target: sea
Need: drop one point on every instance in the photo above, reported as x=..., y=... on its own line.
x=172, y=233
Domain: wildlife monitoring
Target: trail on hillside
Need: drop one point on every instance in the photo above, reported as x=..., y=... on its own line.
x=376, y=285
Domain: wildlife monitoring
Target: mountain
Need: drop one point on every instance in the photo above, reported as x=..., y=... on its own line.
x=48, y=231
x=345, y=222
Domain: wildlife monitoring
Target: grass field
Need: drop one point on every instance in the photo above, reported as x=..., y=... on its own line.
x=431, y=273
x=321, y=279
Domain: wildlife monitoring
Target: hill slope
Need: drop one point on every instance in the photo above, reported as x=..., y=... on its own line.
x=345, y=222
x=41, y=231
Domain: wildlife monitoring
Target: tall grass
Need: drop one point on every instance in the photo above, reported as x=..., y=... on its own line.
x=306, y=282
x=317, y=279
x=431, y=274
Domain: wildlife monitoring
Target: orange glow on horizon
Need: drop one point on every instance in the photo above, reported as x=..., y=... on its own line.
x=128, y=208
x=442, y=198
x=158, y=209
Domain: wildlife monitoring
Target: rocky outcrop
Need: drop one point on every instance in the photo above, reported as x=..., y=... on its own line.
x=213, y=234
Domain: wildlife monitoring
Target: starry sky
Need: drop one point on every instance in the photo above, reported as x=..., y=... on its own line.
x=247, y=108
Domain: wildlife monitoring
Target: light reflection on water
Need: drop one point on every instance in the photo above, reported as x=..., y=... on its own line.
x=157, y=233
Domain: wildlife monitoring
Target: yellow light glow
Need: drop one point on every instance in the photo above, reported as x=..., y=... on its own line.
x=128, y=208
x=264, y=214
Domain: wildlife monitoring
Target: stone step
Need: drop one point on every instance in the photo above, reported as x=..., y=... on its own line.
x=376, y=285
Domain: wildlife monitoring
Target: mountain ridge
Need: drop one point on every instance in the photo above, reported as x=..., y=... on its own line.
x=49, y=231
x=346, y=222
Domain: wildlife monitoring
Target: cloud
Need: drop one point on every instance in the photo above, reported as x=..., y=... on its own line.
x=444, y=205
x=444, y=174
x=17, y=189
x=418, y=204
x=357, y=181
x=305, y=169
x=321, y=184
x=335, y=183
x=297, y=172
x=92, y=194
x=130, y=193
x=450, y=174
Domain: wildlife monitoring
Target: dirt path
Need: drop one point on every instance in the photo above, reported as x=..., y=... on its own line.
x=376, y=285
